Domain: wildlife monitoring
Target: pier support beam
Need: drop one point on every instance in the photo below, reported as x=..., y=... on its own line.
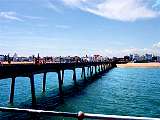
x=108, y=66
x=32, y=90
x=74, y=76
x=44, y=82
x=84, y=73
x=90, y=71
x=96, y=70
x=62, y=76
x=99, y=69
x=12, y=90
x=60, y=83
x=103, y=67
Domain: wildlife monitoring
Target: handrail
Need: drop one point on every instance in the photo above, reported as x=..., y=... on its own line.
x=80, y=115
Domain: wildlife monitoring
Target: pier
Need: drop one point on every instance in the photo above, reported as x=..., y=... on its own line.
x=29, y=70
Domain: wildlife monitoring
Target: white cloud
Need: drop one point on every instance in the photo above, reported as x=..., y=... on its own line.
x=53, y=6
x=157, y=45
x=157, y=4
x=32, y=17
x=140, y=51
x=128, y=51
x=62, y=26
x=123, y=10
x=10, y=15
x=109, y=51
x=73, y=2
x=117, y=52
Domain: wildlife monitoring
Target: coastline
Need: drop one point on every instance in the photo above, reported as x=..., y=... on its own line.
x=152, y=64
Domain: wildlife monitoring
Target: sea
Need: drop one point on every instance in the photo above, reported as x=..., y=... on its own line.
x=120, y=91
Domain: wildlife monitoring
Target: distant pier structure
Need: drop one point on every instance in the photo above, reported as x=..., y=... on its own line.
x=29, y=70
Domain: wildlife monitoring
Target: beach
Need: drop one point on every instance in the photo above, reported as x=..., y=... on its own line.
x=152, y=64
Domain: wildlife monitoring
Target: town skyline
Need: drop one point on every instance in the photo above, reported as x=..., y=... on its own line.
x=79, y=27
x=86, y=55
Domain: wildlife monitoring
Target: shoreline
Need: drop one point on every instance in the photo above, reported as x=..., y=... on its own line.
x=148, y=65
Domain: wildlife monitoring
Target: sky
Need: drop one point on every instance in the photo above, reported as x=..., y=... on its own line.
x=79, y=27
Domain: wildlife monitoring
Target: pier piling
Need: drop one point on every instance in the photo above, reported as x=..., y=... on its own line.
x=90, y=71
x=44, y=82
x=32, y=90
x=74, y=76
x=12, y=90
x=84, y=73
x=99, y=69
x=95, y=70
x=62, y=76
x=60, y=83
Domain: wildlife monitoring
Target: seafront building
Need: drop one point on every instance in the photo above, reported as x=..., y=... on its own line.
x=148, y=57
x=51, y=59
x=1, y=57
x=70, y=59
x=144, y=58
x=158, y=58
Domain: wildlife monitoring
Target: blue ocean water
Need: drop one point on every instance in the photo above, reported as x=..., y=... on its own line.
x=121, y=91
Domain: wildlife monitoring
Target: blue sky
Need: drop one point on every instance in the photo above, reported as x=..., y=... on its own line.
x=79, y=27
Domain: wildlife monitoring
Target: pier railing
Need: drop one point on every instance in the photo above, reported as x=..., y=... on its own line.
x=80, y=115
